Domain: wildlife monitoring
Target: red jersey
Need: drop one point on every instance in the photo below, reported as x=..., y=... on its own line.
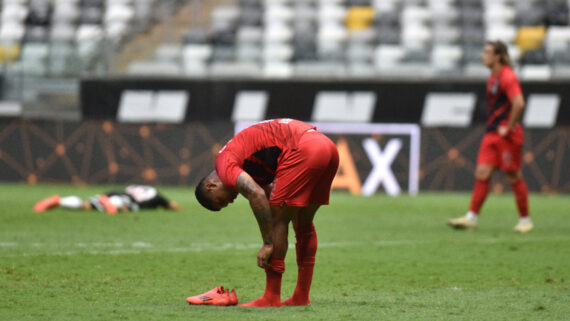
x=258, y=149
x=501, y=88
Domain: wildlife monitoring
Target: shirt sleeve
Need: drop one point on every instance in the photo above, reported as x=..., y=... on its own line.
x=510, y=84
x=228, y=169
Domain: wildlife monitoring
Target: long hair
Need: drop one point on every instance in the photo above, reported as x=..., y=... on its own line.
x=499, y=48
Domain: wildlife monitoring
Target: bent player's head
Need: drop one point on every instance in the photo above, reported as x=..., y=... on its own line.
x=212, y=194
x=495, y=52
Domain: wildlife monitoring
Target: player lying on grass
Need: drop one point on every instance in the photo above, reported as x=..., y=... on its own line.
x=501, y=147
x=133, y=198
x=285, y=169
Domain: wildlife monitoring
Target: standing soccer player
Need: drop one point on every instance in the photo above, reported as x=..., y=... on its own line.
x=501, y=147
x=285, y=169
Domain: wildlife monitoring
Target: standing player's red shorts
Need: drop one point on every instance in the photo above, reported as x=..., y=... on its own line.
x=502, y=152
x=305, y=175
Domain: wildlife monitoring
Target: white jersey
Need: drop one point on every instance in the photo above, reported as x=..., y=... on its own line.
x=141, y=193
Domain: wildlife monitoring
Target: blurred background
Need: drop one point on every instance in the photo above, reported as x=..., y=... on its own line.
x=101, y=91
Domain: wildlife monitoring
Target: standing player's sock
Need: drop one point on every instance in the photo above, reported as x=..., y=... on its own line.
x=521, y=196
x=306, y=248
x=272, y=295
x=479, y=195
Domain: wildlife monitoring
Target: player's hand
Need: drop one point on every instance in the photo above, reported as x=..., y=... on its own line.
x=503, y=131
x=174, y=206
x=264, y=255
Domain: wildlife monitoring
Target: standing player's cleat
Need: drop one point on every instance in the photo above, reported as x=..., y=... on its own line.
x=462, y=222
x=217, y=296
x=523, y=226
x=107, y=205
x=46, y=204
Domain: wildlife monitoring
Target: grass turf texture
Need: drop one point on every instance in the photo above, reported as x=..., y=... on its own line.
x=380, y=258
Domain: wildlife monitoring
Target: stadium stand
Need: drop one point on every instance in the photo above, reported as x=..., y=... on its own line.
x=64, y=40
x=427, y=38
x=283, y=38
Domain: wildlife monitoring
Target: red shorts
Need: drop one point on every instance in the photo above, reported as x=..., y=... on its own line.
x=502, y=152
x=304, y=175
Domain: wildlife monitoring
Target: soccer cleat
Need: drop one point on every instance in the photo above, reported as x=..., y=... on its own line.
x=216, y=296
x=46, y=204
x=107, y=205
x=462, y=223
x=523, y=226
x=233, y=297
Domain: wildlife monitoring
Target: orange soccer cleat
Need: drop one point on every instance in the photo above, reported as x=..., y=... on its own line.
x=107, y=205
x=46, y=204
x=217, y=296
x=233, y=297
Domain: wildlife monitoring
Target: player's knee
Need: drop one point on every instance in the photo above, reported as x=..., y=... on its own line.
x=482, y=173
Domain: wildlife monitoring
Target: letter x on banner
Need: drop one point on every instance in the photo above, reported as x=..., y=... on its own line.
x=381, y=160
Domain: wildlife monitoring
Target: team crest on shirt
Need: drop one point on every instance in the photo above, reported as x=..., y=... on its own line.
x=495, y=87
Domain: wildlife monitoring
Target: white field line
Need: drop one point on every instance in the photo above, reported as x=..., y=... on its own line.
x=140, y=247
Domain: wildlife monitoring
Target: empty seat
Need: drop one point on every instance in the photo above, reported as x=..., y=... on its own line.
x=498, y=12
x=11, y=32
x=277, y=13
x=235, y=69
x=503, y=32
x=168, y=52
x=249, y=34
x=359, y=53
x=91, y=15
x=534, y=57
x=201, y=52
x=358, y=18
x=446, y=34
x=388, y=55
x=446, y=57
x=248, y=52
x=62, y=32
x=316, y=69
x=536, y=72
x=65, y=11
x=416, y=35
x=88, y=32
x=277, y=32
x=530, y=38
x=277, y=52
x=277, y=69
x=154, y=68
x=9, y=52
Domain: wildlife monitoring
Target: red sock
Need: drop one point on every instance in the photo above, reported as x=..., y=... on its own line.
x=272, y=295
x=306, y=248
x=479, y=194
x=521, y=196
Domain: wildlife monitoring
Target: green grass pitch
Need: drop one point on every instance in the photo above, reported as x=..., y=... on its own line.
x=379, y=258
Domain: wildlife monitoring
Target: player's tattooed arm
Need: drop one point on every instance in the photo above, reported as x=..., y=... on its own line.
x=258, y=203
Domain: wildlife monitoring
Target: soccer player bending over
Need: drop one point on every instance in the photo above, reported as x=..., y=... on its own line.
x=501, y=147
x=285, y=169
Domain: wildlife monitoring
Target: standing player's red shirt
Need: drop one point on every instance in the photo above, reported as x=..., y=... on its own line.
x=257, y=150
x=501, y=152
x=502, y=87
